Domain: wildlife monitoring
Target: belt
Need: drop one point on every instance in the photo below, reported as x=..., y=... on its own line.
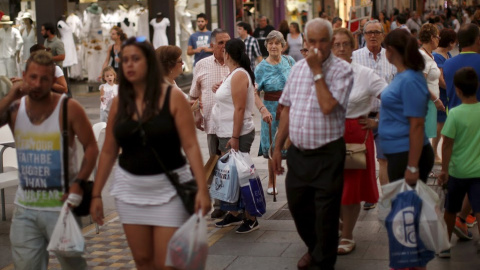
x=274, y=96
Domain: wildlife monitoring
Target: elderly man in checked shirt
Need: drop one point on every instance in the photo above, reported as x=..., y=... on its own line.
x=315, y=99
x=207, y=75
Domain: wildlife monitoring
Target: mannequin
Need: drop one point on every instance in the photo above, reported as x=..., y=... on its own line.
x=143, y=29
x=183, y=31
x=160, y=24
x=9, y=47
x=29, y=37
x=67, y=38
x=128, y=27
x=92, y=21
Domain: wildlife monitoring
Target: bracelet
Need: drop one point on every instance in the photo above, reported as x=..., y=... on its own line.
x=97, y=197
x=238, y=138
x=260, y=110
x=435, y=101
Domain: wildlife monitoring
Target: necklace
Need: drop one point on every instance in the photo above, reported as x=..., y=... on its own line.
x=429, y=54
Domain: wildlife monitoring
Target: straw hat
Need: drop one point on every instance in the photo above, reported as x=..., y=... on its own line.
x=5, y=20
x=27, y=15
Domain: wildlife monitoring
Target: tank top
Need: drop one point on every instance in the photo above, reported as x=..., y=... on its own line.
x=114, y=64
x=160, y=133
x=40, y=164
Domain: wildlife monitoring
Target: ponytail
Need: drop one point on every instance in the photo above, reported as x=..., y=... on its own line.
x=245, y=64
x=236, y=49
x=407, y=47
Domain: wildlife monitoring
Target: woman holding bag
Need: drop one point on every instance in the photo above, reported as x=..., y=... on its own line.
x=150, y=123
x=232, y=113
x=359, y=184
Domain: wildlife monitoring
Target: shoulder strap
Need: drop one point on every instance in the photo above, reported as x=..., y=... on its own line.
x=65, y=143
x=166, y=102
x=288, y=59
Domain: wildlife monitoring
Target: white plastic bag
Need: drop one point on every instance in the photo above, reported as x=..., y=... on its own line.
x=67, y=239
x=433, y=230
x=188, y=247
x=245, y=170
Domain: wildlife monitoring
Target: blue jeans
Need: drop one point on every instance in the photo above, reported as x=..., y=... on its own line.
x=30, y=233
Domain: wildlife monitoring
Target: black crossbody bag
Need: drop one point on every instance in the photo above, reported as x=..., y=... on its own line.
x=87, y=186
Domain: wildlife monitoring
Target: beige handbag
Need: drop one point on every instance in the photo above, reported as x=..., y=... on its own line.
x=356, y=155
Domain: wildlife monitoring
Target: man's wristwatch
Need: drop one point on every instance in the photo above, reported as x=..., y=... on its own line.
x=317, y=77
x=412, y=169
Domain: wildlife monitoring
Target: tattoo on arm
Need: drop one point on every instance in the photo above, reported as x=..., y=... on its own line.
x=5, y=118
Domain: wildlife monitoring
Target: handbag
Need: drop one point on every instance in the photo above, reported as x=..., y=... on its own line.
x=83, y=209
x=187, y=191
x=356, y=155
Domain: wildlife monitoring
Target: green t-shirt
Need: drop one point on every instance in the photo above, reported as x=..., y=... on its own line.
x=463, y=126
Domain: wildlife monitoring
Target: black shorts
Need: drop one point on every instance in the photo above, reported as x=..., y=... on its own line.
x=457, y=188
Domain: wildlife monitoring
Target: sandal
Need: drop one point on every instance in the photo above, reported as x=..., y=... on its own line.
x=346, y=248
x=270, y=191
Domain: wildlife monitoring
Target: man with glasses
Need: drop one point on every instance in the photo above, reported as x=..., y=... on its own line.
x=373, y=56
x=208, y=73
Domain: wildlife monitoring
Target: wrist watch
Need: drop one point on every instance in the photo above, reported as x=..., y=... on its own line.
x=412, y=169
x=317, y=77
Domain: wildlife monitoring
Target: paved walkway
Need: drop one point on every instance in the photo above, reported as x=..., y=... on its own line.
x=276, y=245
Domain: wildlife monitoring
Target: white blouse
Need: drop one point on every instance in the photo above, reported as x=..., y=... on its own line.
x=367, y=85
x=432, y=73
x=223, y=109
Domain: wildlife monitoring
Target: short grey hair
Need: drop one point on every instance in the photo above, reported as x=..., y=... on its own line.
x=318, y=23
x=372, y=22
x=214, y=34
x=274, y=34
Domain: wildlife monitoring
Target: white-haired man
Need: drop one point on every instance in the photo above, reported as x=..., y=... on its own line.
x=315, y=99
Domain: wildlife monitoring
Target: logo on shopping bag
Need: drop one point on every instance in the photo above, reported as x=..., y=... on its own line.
x=403, y=227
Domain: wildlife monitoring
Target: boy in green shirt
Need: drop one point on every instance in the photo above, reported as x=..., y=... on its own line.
x=461, y=151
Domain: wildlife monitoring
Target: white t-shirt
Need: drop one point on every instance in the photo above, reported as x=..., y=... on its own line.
x=366, y=85
x=58, y=72
x=433, y=73
x=223, y=110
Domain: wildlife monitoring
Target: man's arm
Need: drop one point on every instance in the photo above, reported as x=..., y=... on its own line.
x=282, y=134
x=9, y=104
x=59, y=57
x=60, y=51
x=190, y=50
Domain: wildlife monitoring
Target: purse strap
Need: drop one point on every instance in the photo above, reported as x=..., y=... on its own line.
x=65, y=143
x=366, y=136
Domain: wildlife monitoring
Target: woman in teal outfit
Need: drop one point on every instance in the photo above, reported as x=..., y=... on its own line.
x=271, y=75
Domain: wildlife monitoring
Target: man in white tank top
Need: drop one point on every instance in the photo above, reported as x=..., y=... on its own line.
x=33, y=113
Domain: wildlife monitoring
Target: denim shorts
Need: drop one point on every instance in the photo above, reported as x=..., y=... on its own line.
x=457, y=188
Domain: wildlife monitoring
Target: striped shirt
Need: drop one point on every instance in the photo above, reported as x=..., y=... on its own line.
x=308, y=127
x=206, y=73
x=252, y=49
x=381, y=66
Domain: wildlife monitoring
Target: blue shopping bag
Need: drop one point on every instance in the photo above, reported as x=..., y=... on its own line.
x=251, y=188
x=402, y=223
x=225, y=185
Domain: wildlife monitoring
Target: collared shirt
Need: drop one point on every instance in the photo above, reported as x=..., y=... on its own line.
x=10, y=42
x=252, y=49
x=308, y=127
x=381, y=66
x=207, y=72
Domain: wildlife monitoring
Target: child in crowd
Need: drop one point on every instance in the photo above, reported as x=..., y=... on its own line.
x=461, y=151
x=108, y=91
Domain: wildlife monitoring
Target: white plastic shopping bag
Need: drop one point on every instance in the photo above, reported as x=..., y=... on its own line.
x=67, y=239
x=432, y=229
x=188, y=247
x=225, y=185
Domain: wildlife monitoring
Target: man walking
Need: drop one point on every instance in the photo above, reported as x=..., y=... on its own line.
x=34, y=114
x=315, y=102
x=251, y=44
x=10, y=44
x=55, y=44
x=199, y=42
x=374, y=56
x=208, y=73
x=261, y=33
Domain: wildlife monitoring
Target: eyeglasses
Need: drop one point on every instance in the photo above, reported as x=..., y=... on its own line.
x=304, y=50
x=180, y=62
x=373, y=33
x=437, y=37
x=344, y=45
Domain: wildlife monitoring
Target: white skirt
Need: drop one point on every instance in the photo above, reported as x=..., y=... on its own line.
x=170, y=214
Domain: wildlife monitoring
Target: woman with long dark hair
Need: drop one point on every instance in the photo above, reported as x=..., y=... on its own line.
x=403, y=110
x=150, y=123
x=232, y=113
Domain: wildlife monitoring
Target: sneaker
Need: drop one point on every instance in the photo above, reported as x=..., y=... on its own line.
x=230, y=220
x=444, y=254
x=471, y=221
x=368, y=206
x=247, y=226
x=461, y=230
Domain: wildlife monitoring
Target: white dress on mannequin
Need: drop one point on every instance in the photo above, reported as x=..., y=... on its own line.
x=143, y=29
x=29, y=39
x=160, y=32
x=75, y=24
x=67, y=38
